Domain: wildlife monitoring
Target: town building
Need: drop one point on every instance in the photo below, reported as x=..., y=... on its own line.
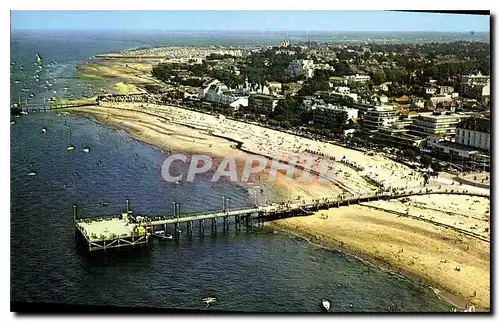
x=379, y=116
x=274, y=86
x=397, y=134
x=473, y=86
x=442, y=146
x=384, y=87
x=438, y=124
x=342, y=90
x=259, y=103
x=443, y=90
x=356, y=79
x=284, y=43
x=474, y=132
x=431, y=90
x=299, y=67
x=472, y=80
x=328, y=115
x=444, y=101
x=239, y=103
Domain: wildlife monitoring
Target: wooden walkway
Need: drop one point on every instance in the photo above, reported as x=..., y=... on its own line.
x=51, y=106
x=304, y=206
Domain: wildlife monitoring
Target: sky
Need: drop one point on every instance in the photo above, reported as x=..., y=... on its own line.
x=248, y=20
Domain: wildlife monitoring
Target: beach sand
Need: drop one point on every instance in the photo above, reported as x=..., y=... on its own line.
x=417, y=247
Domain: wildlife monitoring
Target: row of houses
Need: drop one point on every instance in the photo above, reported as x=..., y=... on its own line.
x=216, y=91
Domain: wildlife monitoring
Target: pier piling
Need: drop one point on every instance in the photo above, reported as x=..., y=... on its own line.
x=214, y=225
x=202, y=227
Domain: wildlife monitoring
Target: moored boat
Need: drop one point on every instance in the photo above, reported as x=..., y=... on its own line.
x=325, y=305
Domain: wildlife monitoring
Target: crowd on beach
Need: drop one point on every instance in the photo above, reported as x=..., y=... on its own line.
x=344, y=166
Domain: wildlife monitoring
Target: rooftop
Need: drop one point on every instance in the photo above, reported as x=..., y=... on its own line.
x=457, y=146
x=475, y=124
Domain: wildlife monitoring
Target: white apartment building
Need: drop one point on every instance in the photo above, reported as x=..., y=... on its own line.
x=342, y=90
x=435, y=124
x=300, y=67
x=486, y=89
x=474, y=85
x=352, y=79
x=380, y=116
x=474, y=134
x=473, y=80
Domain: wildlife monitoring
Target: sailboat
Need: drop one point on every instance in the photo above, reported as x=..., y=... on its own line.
x=38, y=58
x=71, y=147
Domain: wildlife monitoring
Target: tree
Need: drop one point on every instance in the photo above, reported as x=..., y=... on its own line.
x=410, y=154
x=436, y=167
x=378, y=76
x=425, y=160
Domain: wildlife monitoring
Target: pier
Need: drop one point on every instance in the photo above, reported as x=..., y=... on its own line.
x=48, y=105
x=129, y=230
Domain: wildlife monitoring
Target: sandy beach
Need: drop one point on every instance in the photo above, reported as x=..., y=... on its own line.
x=441, y=256
x=442, y=239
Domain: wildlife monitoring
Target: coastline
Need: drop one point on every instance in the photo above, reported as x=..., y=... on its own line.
x=139, y=126
x=404, y=247
x=444, y=295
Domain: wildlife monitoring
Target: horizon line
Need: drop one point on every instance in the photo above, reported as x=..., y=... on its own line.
x=260, y=30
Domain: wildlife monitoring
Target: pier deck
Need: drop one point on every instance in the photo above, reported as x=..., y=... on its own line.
x=111, y=232
x=105, y=229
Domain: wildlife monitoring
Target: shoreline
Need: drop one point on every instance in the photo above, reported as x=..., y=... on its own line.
x=442, y=294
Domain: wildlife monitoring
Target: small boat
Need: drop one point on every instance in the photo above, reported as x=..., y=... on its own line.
x=44, y=130
x=161, y=234
x=326, y=305
x=209, y=300
x=32, y=173
x=71, y=147
x=12, y=122
x=105, y=204
x=86, y=150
